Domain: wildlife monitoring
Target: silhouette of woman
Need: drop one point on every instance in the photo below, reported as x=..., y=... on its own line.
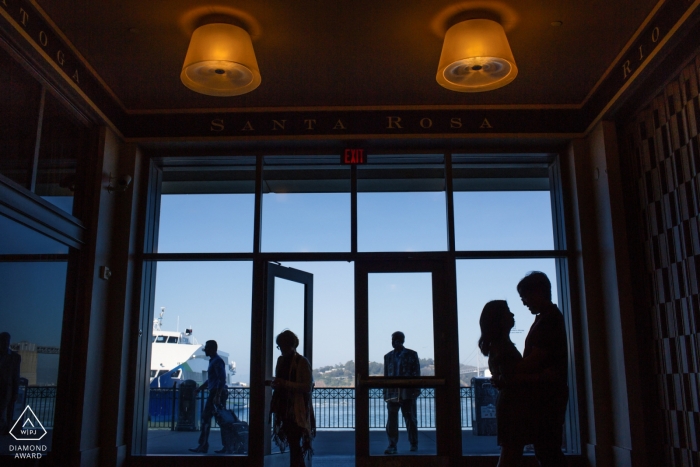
x=294, y=423
x=511, y=415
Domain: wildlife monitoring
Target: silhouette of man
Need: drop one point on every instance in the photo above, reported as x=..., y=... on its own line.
x=9, y=382
x=546, y=356
x=218, y=393
x=401, y=362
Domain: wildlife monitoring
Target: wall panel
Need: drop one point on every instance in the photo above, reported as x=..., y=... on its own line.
x=662, y=148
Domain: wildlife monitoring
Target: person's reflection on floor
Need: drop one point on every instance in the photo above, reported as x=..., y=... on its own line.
x=401, y=362
x=294, y=424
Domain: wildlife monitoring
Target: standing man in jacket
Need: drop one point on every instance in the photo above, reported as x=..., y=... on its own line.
x=401, y=362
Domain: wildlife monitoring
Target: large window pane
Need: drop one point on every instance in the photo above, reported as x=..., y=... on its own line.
x=32, y=296
x=64, y=144
x=20, y=95
x=479, y=282
x=200, y=301
x=502, y=205
x=503, y=220
x=401, y=204
x=306, y=204
x=289, y=313
x=207, y=209
x=333, y=325
x=333, y=360
x=18, y=239
x=401, y=302
x=381, y=412
x=206, y=223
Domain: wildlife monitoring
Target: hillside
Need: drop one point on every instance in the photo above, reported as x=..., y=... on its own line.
x=343, y=374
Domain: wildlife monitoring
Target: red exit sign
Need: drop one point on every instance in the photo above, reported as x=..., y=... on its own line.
x=354, y=156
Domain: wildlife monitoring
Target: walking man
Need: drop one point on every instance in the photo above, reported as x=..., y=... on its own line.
x=546, y=357
x=401, y=362
x=218, y=393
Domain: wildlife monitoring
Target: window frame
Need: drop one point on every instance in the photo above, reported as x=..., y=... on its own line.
x=560, y=253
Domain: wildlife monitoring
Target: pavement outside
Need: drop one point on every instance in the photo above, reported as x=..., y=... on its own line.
x=330, y=447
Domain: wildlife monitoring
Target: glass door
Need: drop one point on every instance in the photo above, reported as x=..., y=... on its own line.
x=288, y=305
x=407, y=396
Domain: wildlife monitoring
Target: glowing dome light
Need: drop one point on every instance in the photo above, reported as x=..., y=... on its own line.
x=220, y=61
x=476, y=57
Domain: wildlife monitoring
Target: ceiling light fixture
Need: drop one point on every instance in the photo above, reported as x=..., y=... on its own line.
x=476, y=57
x=220, y=61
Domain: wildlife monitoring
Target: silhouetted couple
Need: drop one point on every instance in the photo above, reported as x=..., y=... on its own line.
x=533, y=390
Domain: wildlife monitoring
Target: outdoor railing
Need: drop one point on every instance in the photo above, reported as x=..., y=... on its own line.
x=42, y=400
x=334, y=407
x=163, y=405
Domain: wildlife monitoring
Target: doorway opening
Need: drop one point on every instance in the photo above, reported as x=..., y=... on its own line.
x=368, y=251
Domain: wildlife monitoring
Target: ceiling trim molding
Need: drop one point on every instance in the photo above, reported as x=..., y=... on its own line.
x=40, y=35
x=78, y=77
x=348, y=108
x=77, y=53
x=356, y=122
x=648, y=59
x=507, y=137
x=623, y=52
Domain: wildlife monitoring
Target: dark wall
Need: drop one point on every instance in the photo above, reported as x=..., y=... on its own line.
x=661, y=151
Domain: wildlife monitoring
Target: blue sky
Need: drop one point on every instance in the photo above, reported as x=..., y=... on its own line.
x=214, y=298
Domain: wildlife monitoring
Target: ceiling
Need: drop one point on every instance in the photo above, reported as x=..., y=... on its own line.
x=354, y=54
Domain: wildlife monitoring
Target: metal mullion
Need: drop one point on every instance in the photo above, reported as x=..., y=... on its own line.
x=344, y=256
x=450, y=202
x=148, y=284
x=353, y=209
x=198, y=256
x=363, y=256
x=362, y=402
x=257, y=219
x=37, y=144
x=507, y=254
x=563, y=280
x=34, y=258
x=153, y=201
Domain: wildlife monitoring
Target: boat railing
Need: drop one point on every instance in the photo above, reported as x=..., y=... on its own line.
x=334, y=407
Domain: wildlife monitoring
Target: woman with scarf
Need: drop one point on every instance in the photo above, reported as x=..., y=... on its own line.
x=294, y=424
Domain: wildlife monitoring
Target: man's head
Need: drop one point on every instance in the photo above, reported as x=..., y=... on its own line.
x=210, y=348
x=535, y=291
x=4, y=340
x=397, y=340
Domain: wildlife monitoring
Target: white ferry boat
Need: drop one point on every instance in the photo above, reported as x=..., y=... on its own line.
x=177, y=356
